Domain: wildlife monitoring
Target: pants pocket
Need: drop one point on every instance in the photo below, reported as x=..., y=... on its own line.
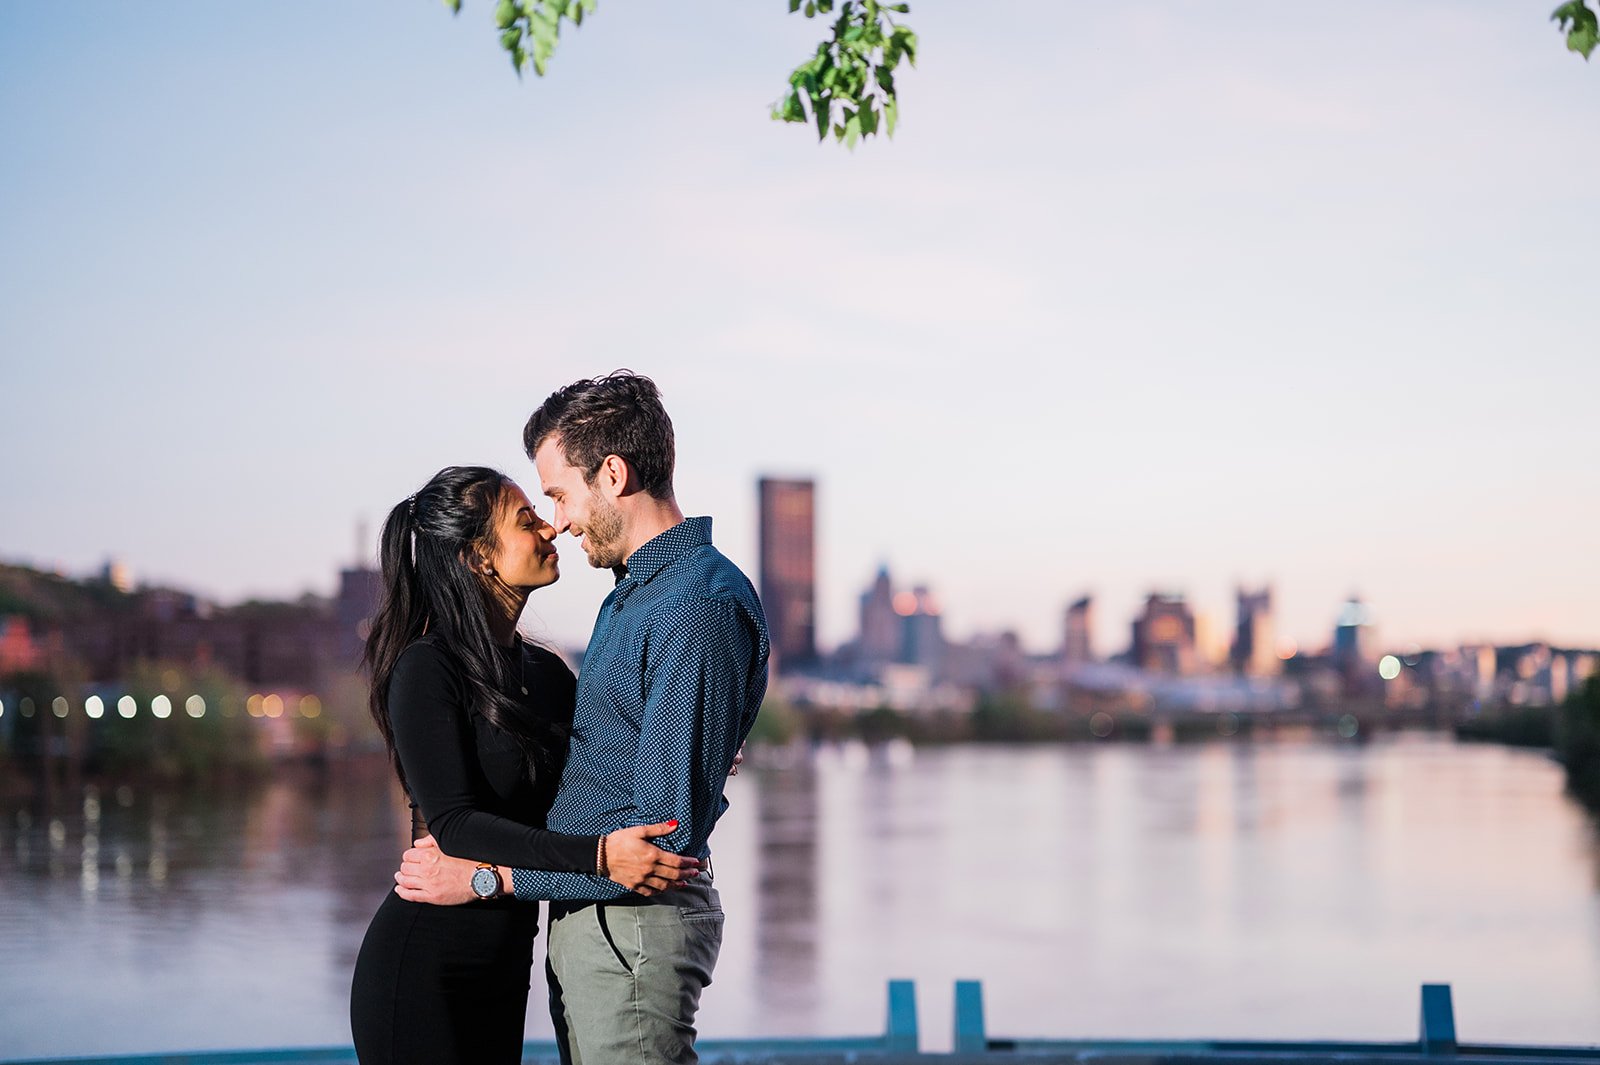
x=701, y=916
x=611, y=941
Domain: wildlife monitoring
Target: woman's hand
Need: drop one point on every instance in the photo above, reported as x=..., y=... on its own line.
x=639, y=865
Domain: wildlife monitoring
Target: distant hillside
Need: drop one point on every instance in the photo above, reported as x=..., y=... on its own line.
x=50, y=597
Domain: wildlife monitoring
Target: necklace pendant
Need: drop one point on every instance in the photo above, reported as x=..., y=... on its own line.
x=524, y=691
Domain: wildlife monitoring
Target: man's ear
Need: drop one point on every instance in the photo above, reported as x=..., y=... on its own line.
x=611, y=480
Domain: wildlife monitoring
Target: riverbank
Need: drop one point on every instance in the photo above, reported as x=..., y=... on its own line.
x=1571, y=732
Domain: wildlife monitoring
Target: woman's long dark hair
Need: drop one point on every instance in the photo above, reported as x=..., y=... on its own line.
x=425, y=555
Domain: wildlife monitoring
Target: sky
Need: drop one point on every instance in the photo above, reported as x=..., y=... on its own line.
x=1163, y=296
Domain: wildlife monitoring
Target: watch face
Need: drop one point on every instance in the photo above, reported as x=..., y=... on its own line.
x=485, y=883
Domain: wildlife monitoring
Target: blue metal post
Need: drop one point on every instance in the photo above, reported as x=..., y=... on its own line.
x=1438, y=1020
x=902, y=1034
x=970, y=1036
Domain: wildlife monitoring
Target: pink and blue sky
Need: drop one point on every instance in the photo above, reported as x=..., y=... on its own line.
x=1167, y=295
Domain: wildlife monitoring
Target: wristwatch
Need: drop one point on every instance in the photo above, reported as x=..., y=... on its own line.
x=485, y=881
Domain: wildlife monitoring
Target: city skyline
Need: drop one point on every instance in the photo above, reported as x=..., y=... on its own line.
x=1086, y=630
x=1251, y=297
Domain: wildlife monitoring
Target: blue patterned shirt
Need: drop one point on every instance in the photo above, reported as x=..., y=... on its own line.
x=670, y=686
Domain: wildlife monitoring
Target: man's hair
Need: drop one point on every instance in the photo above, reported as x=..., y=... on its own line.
x=618, y=414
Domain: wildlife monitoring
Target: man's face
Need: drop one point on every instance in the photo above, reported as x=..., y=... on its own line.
x=579, y=509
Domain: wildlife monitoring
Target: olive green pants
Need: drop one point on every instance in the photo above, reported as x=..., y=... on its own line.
x=625, y=977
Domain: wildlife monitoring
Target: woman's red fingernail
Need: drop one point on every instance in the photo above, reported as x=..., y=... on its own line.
x=674, y=824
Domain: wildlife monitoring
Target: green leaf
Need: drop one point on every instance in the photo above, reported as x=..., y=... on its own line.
x=1581, y=25
x=511, y=39
x=891, y=115
x=506, y=13
x=454, y=6
x=907, y=42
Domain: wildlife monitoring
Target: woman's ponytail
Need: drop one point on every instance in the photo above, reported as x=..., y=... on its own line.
x=401, y=616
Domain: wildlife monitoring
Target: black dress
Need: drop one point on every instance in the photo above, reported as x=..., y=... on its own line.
x=441, y=984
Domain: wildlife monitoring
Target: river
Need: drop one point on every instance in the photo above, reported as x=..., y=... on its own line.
x=1293, y=890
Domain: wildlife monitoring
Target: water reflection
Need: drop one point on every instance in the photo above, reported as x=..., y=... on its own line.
x=1253, y=890
x=786, y=901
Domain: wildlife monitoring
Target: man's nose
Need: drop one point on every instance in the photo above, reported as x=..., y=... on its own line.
x=560, y=524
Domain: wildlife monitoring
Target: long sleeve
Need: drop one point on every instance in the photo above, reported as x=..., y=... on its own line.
x=697, y=679
x=434, y=738
x=697, y=682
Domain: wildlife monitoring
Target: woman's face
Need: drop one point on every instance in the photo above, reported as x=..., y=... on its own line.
x=525, y=551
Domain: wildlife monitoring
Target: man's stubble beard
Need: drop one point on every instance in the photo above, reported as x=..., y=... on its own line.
x=602, y=536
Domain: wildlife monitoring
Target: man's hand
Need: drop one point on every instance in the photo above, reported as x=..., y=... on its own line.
x=428, y=874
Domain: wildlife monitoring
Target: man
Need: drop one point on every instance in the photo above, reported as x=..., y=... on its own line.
x=671, y=682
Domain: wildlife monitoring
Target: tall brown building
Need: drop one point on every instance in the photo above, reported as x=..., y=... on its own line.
x=789, y=569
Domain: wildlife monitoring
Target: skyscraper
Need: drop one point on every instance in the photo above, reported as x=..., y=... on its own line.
x=1255, y=653
x=789, y=569
x=878, y=642
x=1164, y=636
x=1076, y=648
x=1353, y=636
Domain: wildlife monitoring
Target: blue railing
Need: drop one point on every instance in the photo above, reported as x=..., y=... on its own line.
x=901, y=1040
x=1436, y=1038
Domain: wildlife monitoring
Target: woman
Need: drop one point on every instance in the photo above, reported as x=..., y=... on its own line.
x=476, y=723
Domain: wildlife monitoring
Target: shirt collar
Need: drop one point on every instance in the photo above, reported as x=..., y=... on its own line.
x=661, y=551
